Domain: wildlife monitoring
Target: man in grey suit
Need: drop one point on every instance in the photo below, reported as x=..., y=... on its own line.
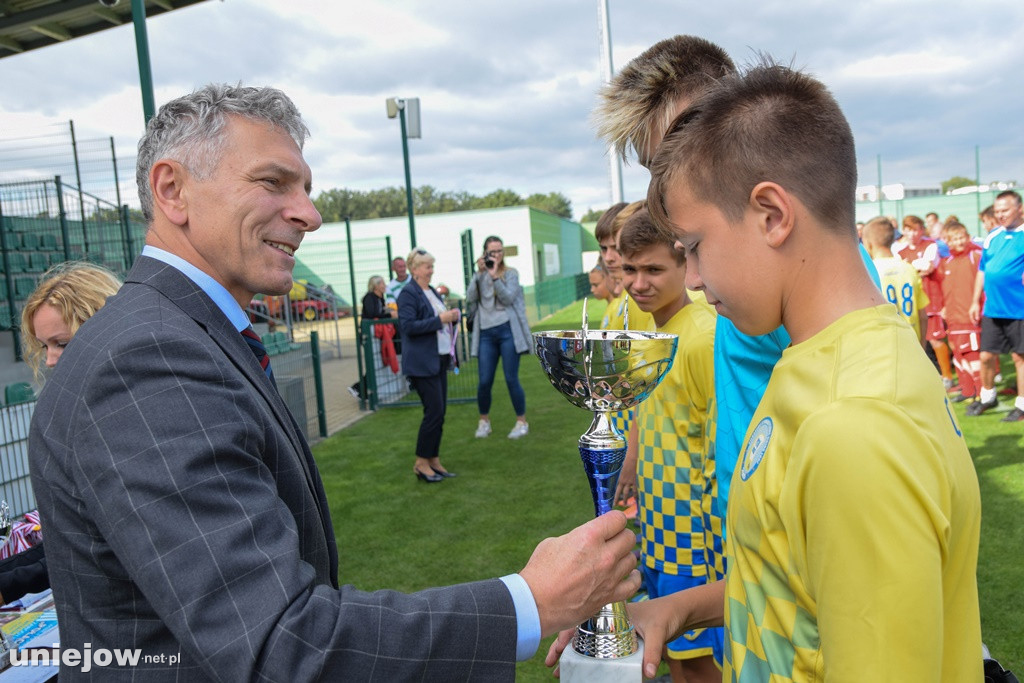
x=183, y=512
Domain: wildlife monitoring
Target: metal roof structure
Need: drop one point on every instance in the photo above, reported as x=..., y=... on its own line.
x=31, y=24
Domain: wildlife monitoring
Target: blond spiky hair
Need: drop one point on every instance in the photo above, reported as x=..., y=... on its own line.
x=642, y=97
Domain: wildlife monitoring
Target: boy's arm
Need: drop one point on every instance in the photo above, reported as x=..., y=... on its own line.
x=869, y=531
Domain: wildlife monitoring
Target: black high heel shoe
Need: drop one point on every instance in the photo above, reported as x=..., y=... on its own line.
x=429, y=478
x=444, y=475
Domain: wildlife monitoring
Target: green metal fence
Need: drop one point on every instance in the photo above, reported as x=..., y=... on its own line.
x=550, y=296
x=46, y=222
x=382, y=387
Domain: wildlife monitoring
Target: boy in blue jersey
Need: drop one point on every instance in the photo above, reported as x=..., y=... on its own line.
x=636, y=108
x=671, y=463
x=756, y=179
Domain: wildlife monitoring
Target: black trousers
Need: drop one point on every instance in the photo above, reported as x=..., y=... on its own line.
x=433, y=391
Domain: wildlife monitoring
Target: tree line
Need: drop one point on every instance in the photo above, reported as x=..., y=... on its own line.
x=334, y=205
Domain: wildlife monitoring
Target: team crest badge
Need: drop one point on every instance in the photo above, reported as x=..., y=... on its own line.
x=756, y=447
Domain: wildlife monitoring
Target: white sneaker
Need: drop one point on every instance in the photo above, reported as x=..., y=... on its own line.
x=483, y=429
x=521, y=429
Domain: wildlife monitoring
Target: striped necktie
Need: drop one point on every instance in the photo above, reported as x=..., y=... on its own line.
x=260, y=351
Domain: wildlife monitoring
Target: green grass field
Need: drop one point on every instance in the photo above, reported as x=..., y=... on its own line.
x=396, y=532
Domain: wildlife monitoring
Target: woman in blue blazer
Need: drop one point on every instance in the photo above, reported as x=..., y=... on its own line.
x=427, y=328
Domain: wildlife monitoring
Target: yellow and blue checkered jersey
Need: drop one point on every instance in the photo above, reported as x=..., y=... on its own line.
x=854, y=518
x=670, y=458
x=638, y=320
x=902, y=287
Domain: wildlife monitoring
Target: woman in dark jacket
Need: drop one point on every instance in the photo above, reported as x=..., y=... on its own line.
x=427, y=327
x=373, y=308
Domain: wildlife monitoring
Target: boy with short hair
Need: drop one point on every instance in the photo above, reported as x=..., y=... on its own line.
x=901, y=284
x=957, y=274
x=671, y=463
x=855, y=514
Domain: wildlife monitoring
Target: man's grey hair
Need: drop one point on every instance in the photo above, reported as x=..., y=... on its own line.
x=190, y=129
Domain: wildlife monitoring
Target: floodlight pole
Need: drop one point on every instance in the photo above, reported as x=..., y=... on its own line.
x=615, y=162
x=142, y=51
x=408, y=175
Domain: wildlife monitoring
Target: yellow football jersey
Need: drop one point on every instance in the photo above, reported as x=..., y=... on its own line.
x=670, y=459
x=854, y=518
x=902, y=287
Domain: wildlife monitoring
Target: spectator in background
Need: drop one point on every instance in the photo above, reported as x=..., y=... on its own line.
x=67, y=295
x=500, y=331
x=998, y=282
x=957, y=274
x=602, y=287
x=400, y=280
x=988, y=218
x=373, y=308
x=428, y=334
x=923, y=253
x=933, y=226
x=901, y=283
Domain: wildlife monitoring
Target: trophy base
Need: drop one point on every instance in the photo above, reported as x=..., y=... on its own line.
x=576, y=668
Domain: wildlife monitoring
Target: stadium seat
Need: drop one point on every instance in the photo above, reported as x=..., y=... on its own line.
x=19, y=264
x=19, y=392
x=5, y=317
x=48, y=242
x=38, y=261
x=23, y=286
x=29, y=241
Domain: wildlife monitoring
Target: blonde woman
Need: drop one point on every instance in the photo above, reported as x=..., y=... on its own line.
x=67, y=295
x=427, y=327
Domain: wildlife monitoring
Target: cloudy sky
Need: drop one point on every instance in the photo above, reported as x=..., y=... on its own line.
x=506, y=87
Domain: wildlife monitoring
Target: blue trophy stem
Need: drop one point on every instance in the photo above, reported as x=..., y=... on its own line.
x=602, y=450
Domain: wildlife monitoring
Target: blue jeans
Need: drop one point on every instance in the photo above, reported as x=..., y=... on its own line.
x=497, y=342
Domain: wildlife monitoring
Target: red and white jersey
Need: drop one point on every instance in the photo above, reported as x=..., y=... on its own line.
x=956, y=274
x=924, y=256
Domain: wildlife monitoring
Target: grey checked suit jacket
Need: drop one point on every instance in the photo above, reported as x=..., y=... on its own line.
x=184, y=516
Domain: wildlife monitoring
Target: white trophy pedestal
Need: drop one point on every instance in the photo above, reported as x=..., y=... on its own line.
x=576, y=668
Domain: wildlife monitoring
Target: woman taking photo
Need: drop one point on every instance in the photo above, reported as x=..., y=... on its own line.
x=427, y=327
x=500, y=331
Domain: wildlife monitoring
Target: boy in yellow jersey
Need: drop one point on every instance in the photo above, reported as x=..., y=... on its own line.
x=901, y=283
x=669, y=463
x=854, y=512
x=621, y=309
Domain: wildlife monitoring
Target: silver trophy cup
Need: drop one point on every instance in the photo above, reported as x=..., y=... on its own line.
x=605, y=371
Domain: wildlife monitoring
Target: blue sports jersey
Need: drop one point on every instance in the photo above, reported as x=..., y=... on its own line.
x=743, y=365
x=1003, y=265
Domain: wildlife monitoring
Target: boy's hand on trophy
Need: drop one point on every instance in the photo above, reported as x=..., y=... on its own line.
x=557, y=647
x=574, y=575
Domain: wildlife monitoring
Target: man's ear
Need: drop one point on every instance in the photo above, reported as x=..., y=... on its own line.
x=775, y=211
x=167, y=180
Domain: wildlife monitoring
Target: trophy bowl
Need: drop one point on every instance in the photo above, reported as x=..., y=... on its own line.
x=605, y=371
